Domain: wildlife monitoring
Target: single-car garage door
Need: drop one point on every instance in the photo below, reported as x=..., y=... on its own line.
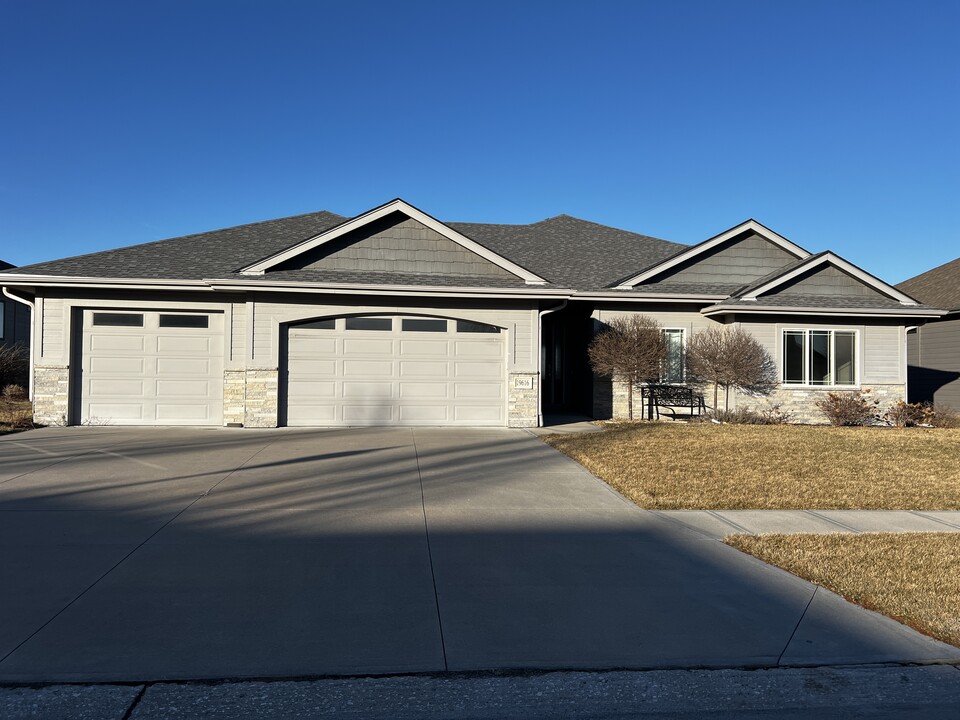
x=395, y=371
x=151, y=368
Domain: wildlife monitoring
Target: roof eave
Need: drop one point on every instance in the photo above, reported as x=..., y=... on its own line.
x=744, y=309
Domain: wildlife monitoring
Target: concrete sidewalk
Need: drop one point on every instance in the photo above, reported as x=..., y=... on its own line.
x=720, y=523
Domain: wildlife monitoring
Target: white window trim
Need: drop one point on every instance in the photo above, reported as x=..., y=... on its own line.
x=683, y=344
x=806, y=384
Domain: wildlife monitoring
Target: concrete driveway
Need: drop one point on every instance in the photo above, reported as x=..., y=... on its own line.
x=164, y=554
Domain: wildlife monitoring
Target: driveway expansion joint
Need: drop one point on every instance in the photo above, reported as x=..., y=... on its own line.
x=816, y=589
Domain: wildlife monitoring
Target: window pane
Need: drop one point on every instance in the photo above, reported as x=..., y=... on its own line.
x=415, y=325
x=368, y=323
x=844, y=348
x=673, y=370
x=184, y=321
x=465, y=326
x=794, y=355
x=325, y=324
x=118, y=319
x=820, y=364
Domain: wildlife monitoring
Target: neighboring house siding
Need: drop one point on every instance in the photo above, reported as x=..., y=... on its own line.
x=935, y=363
x=740, y=262
x=404, y=246
x=827, y=282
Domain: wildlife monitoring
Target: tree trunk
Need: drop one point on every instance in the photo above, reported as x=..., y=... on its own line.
x=716, y=387
x=630, y=399
x=726, y=398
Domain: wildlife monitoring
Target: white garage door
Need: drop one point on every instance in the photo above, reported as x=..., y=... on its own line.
x=151, y=368
x=395, y=371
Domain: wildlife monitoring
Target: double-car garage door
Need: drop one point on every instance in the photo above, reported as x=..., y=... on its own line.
x=166, y=368
x=395, y=371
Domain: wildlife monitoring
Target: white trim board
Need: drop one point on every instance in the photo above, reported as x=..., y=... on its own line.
x=749, y=225
x=409, y=210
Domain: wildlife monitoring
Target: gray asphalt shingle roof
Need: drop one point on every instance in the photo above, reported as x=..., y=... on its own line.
x=939, y=287
x=567, y=252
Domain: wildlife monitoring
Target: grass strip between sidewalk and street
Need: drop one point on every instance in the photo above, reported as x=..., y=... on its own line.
x=680, y=466
x=912, y=577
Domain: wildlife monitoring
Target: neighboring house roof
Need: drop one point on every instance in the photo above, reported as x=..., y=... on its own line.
x=939, y=287
x=5, y=265
x=561, y=255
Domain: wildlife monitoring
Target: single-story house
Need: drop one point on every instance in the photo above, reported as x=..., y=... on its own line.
x=393, y=317
x=14, y=318
x=934, y=349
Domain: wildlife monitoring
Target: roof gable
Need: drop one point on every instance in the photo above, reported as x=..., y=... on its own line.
x=823, y=275
x=441, y=232
x=737, y=256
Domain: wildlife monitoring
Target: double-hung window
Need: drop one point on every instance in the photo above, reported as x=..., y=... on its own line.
x=819, y=357
x=674, y=371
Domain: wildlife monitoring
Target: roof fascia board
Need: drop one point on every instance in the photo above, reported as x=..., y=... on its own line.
x=827, y=312
x=838, y=262
x=393, y=206
x=648, y=297
x=404, y=290
x=713, y=242
x=70, y=281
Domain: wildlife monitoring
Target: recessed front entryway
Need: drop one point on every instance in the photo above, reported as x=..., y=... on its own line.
x=395, y=370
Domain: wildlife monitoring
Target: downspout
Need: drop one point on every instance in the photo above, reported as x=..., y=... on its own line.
x=33, y=326
x=561, y=306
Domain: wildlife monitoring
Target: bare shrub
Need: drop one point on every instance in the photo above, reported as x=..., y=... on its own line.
x=849, y=408
x=730, y=358
x=14, y=392
x=941, y=416
x=14, y=364
x=904, y=414
x=632, y=348
x=770, y=415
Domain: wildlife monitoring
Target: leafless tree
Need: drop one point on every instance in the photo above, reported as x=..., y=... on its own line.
x=14, y=364
x=731, y=358
x=632, y=348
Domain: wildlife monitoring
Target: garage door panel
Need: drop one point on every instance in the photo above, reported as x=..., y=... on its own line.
x=116, y=342
x=353, y=347
x=184, y=388
x=115, y=411
x=178, y=413
x=368, y=368
x=424, y=390
x=431, y=348
x=479, y=391
x=368, y=390
x=475, y=370
x=312, y=389
x=368, y=414
x=117, y=365
x=428, y=414
x=114, y=387
x=478, y=348
x=180, y=345
x=307, y=367
x=183, y=366
x=423, y=368
x=395, y=377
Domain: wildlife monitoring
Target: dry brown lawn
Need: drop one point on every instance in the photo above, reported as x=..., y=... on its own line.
x=672, y=466
x=912, y=577
x=15, y=415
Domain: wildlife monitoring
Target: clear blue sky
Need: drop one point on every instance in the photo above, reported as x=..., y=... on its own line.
x=835, y=123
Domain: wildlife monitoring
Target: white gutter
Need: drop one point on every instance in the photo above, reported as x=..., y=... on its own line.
x=33, y=332
x=540, y=315
x=906, y=358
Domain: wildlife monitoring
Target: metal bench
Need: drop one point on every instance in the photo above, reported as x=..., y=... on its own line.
x=672, y=396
